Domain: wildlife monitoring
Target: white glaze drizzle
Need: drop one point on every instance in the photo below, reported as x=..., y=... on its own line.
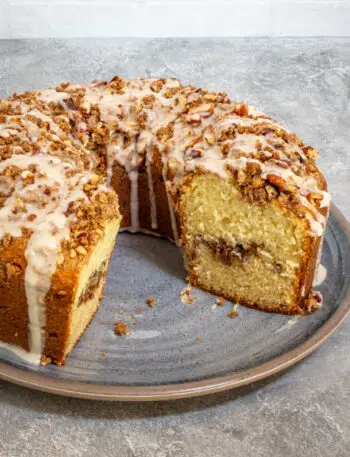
x=320, y=276
x=134, y=200
x=170, y=205
x=152, y=196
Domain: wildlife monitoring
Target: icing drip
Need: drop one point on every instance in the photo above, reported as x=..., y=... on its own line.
x=170, y=206
x=134, y=192
x=152, y=197
x=321, y=275
x=111, y=154
x=134, y=200
x=144, y=147
x=41, y=256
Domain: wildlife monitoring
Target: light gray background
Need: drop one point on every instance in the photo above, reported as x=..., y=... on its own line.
x=176, y=18
x=305, y=412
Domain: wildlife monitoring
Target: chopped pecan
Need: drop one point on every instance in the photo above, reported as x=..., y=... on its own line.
x=70, y=104
x=31, y=217
x=204, y=110
x=117, y=83
x=196, y=153
x=310, y=152
x=226, y=147
x=283, y=163
x=156, y=86
x=276, y=181
x=194, y=119
x=210, y=138
x=314, y=198
x=220, y=301
x=241, y=110
x=212, y=97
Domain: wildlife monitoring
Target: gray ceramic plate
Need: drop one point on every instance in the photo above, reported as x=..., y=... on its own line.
x=162, y=358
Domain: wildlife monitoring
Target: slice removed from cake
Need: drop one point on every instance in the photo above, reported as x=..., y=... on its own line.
x=59, y=226
x=75, y=294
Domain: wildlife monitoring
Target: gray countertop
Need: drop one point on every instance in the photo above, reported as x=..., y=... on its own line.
x=304, y=83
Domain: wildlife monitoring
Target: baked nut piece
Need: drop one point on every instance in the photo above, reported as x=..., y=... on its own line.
x=240, y=192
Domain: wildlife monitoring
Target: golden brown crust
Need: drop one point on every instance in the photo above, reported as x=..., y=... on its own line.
x=14, y=308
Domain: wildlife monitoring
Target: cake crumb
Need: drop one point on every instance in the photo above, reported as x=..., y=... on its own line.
x=121, y=328
x=151, y=302
x=45, y=360
x=103, y=354
x=121, y=312
x=102, y=322
x=198, y=339
x=186, y=296
x=220, y=301
x=201, y=318
x=234, y=312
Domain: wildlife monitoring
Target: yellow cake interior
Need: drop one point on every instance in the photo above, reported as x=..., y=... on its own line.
x=247, y=252
x=84, y=310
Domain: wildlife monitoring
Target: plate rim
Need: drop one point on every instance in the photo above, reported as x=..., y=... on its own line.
x=187, y=389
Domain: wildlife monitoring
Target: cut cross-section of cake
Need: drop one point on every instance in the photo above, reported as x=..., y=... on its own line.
x=261, y=255
x=239, y=191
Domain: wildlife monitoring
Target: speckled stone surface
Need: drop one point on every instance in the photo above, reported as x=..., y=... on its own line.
x=305, y=411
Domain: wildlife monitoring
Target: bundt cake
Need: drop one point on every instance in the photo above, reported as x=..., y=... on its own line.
x=239, y=191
